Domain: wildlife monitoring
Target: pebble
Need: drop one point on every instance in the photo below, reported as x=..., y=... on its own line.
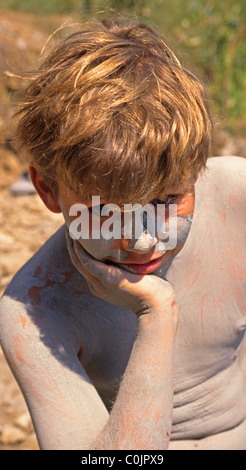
x=6, y=239
x=24, y=422
x=11, y=435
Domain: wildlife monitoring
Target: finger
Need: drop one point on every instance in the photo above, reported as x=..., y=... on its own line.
x=96, y=268
x=106, y=274
x=75, y=260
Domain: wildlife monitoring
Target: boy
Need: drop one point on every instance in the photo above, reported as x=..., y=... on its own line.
x=90, y=329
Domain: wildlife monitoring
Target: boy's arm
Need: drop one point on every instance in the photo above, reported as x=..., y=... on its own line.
x=141, y=417
x=66, y=409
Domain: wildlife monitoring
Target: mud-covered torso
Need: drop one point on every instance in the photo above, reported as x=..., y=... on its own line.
x=209, y=279
x=210, y=358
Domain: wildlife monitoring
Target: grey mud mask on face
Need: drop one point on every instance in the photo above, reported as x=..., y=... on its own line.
x=105, y=249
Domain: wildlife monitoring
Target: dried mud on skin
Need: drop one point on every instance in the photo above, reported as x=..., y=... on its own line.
x=25, y=223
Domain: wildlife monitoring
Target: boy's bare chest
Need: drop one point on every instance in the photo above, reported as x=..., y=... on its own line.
x=209, y=387
x=212, y=322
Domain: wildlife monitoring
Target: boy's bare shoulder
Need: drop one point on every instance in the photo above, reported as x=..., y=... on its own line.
x=44, y=304
x=46, y=282
x=50, y=257
x=228, y=173
x=223, y=184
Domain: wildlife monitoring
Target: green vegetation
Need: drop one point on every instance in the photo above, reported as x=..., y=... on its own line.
x=211, y=35
x=41, y=6
x=208, y=35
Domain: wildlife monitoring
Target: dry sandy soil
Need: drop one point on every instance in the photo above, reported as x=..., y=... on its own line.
x=24, y=221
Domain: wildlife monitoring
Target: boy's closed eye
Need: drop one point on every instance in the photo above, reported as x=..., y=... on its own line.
x=169, y=199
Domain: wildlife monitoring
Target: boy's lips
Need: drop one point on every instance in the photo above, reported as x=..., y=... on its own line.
x=142, y=267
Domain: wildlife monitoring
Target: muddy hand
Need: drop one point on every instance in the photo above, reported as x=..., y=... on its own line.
x=119, y=287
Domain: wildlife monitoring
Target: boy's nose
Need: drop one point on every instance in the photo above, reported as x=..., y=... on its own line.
x=142, y=232
x=142, y=244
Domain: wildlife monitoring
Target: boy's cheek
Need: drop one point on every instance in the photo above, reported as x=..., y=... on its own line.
x=104, y=249
x=187, y=204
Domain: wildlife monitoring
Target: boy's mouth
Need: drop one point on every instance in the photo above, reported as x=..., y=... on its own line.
x=140, y=267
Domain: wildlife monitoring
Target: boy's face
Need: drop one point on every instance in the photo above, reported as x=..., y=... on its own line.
x=144, y=255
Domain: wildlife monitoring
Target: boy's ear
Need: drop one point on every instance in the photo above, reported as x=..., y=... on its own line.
x=196, y=177
x=43, y=189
